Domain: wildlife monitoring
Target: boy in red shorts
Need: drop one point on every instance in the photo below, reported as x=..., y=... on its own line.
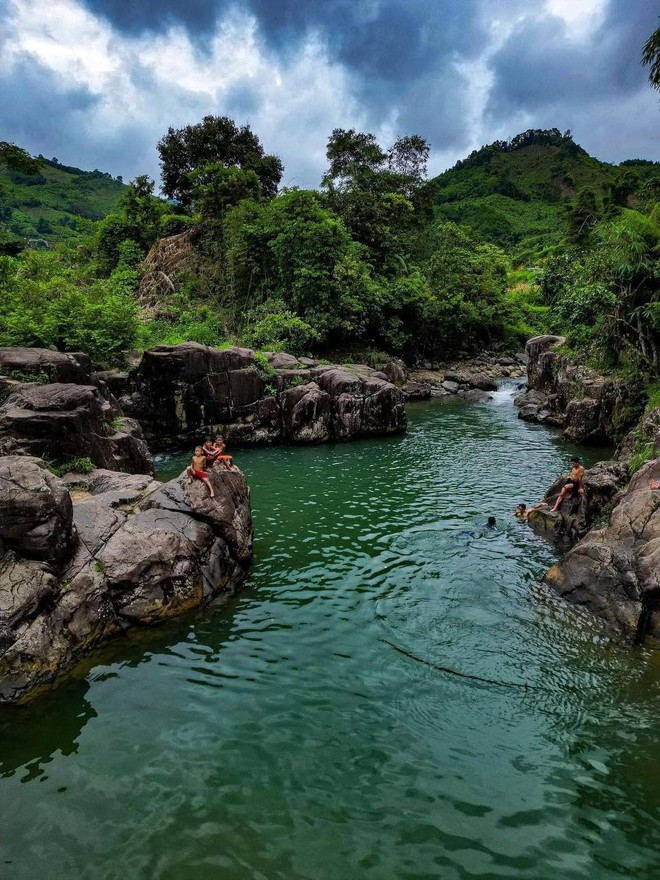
x=197, y=469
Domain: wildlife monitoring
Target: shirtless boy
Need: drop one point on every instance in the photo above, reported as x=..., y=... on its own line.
x=219, y=448
x=210, y=451
x=197, y=469
x=573, y=484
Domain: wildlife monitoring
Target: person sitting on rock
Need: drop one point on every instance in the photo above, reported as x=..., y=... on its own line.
x=573, y=484
x=654, y=484
x=197, y=469
x=210, y=451
x=227, y=460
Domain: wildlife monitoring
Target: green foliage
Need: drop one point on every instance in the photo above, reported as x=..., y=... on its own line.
x=607, y=298
x=642, y=452
x=215, y=141
x=215, y=188
x=67, y=199
x=75, y=466
x=516, y=193
x=52, y=303
x=276, y=328
x=651, y=57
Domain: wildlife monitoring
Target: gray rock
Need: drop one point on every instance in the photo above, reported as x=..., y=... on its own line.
x=136, y=552
x=35, y=509
x=63, y=421
x=56, y=366
x=451, y=387
x=614, y=571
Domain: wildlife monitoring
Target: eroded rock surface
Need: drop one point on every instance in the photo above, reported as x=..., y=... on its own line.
x=614, y=571
x=65, y=421
x=588, y=406
x=133, y=552
x=180, y=391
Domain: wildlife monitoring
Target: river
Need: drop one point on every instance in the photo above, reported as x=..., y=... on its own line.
x=390, y=698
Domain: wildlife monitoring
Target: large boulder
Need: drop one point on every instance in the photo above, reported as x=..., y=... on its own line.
x=62, y=422
x=614, y=571
x=35, y=509
x=541, y=361
x=129, y=552
x=183, y=391
x=576, y=513
x=43, y=366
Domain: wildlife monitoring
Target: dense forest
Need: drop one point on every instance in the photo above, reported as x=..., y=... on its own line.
x=521, y=237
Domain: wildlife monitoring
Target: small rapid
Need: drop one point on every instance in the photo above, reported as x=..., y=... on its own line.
x=394, y=695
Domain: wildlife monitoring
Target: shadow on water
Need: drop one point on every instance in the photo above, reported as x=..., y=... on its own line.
x=388, y=698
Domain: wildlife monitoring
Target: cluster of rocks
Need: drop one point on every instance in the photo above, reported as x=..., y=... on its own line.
x=178, y=392
x=85, y=557
x=588, y=407
x=125, y=551
x=54, y=409
x=471, y=379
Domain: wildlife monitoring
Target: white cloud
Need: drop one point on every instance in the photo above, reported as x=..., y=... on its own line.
x=148, y=83
x=581, y=17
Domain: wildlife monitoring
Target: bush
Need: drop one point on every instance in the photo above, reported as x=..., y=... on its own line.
x=276, y=328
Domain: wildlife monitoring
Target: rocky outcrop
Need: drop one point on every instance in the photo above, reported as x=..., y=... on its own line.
x=588, y=406
x=181, y=391
x=43, y=365
x=128, y=552
x=575, y=515
x=61, y=422
x=614, y=571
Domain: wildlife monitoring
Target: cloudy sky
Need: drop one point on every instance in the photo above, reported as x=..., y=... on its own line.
x=97, y=82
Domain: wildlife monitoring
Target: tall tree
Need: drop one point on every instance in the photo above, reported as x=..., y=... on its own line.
x=214, y=140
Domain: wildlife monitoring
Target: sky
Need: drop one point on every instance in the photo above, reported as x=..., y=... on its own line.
x=96, y=83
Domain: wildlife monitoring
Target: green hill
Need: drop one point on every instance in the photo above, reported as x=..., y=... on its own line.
x=515, y=193
x=59, y=203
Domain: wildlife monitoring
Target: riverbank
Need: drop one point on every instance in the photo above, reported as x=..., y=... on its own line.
x=380, y=688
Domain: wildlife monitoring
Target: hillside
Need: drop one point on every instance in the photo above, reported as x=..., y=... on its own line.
x=57, y=204
x=515, y=193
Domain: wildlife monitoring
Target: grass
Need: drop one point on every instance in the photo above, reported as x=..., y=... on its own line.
x=74, y=466
x=59, y=204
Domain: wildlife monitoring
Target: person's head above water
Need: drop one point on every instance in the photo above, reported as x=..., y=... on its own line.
x=492, y=521
x=521, y=506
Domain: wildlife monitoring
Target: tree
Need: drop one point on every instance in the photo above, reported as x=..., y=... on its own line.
x=216, y=188
x=651, y=57
x=214, y=140
x=142, y=210
x=17, y=159
x=583, y=215
x=375, y=192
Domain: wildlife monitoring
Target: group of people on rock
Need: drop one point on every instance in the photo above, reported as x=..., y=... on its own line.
x=208, y=456
x=573, y=488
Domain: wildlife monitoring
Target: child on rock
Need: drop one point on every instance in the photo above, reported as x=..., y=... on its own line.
x=197, y=468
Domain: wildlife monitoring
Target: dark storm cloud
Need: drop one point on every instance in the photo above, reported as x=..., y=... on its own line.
x=137, y=16
x=387, y=38
x=36, y=108
x=539, y=69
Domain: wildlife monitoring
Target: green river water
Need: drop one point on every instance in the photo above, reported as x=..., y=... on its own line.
x=389, y=699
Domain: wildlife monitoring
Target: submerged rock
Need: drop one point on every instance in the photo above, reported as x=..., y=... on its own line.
x=133, y=552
